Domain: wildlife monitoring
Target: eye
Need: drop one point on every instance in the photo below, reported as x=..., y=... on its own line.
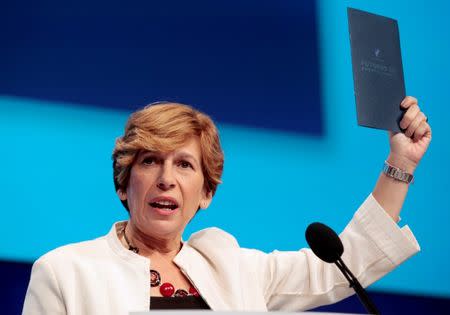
x=185, y=164
x=149, y=160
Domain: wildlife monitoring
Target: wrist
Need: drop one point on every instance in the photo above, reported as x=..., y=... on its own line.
x=401, y=163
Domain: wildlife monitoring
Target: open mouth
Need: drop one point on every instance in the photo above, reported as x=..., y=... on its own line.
x=164, y=205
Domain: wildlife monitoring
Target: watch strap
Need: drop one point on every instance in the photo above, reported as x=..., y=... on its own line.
x=397, y=173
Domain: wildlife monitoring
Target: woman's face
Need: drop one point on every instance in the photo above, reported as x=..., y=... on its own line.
x=166, y=189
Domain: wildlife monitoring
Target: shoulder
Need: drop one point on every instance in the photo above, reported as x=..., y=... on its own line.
x=64, y=266
x=213, y=237
x=91, y=249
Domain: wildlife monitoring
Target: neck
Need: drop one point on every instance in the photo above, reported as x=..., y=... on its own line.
x=151, y=246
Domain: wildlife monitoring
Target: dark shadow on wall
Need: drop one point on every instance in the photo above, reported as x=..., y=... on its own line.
x=392, y=304
x=252, y=63
x=15, y=277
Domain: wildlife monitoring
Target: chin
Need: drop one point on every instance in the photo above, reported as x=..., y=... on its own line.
x=161, y=228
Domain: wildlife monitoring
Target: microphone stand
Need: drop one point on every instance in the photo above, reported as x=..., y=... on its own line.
x=360, y=292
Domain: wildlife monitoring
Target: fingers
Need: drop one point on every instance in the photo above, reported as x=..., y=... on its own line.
x=422, y=129
x=408, y=102
x=414, y=122
x=411, y=129
x=409, y=116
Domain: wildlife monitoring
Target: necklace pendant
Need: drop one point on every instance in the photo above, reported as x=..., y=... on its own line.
x=167, y=289
x=181, y=293
x=193, y=291
x=155, y=278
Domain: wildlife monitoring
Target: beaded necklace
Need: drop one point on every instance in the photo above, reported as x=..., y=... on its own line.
x=166, y=289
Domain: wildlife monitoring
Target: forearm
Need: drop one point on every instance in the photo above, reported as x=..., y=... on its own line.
x=391, y=193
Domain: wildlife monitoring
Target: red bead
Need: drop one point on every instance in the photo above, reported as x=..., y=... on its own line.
x=166, y=289
x=193, y=291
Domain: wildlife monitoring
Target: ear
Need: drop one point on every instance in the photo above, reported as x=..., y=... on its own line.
x=122, y=195
x=206, y=199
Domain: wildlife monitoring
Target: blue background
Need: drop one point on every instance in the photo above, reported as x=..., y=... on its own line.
x=293, y=153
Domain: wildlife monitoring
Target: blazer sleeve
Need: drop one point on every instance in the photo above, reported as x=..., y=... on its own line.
x=373, y=246
x=43, y=294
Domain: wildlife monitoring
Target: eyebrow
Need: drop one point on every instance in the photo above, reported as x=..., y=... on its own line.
x=145, y=152
x=179, y=155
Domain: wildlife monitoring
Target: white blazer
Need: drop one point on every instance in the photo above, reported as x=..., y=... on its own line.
x=102, y=277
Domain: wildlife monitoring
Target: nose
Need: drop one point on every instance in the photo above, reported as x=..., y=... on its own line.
x=166, y=180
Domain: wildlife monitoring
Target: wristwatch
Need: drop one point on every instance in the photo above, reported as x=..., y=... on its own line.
x=397, y=173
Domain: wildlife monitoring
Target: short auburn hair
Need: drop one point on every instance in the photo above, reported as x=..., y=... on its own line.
x=164, y=127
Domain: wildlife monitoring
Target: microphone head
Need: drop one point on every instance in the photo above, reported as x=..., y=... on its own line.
x=324, y=242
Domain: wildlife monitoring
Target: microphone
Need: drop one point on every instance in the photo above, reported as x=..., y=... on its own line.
x=327, y=245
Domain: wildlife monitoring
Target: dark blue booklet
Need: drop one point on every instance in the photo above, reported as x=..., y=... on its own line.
x=377, y=69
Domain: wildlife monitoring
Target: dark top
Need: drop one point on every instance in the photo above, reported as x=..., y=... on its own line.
x=171, y=303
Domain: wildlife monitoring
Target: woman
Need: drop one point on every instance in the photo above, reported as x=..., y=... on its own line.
x=166, y=167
